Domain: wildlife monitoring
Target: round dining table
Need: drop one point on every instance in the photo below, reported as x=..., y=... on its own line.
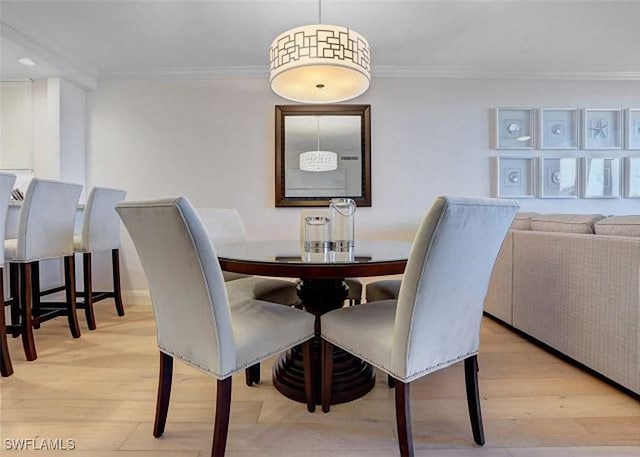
x=321, y=289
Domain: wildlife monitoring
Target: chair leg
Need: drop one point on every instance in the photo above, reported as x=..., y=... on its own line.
x=14, y=290
x=88, y=290
x=252, y=375
x=26, y=322
x=117, y=291
x=309, y=376
x=35, y=289
x=326, y=354
x=473, y=398
x=164, y=393
x=255, y=373
x=403, y=419
x=70, y=289
x=221, y=427
x=6, y=369
x=391, y=383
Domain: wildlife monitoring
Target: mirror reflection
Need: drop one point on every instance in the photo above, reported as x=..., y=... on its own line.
x=323, y=156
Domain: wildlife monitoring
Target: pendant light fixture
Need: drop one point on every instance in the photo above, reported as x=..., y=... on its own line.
x=318, y=160
x=319, y=63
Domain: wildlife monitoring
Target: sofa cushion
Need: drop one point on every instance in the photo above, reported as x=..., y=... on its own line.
x=567, y=223
x=522, y=221
x=619, y=226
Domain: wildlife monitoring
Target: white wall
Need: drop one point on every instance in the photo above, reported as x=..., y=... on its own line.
x=213, y=141
x=60, y=114
x=73, y=116
x=45, y=154
x=16, y=145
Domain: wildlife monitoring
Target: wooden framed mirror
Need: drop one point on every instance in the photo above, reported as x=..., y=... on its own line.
x=322, y=152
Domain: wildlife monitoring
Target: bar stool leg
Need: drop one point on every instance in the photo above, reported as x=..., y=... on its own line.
x=26, y=322
x=14, y=282
x=6, y=369
x=35, y=289
x=117, y=291
x=70, y=289
x=88, y=291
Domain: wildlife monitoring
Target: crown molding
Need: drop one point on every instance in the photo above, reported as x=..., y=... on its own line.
x=70, y=69
x=479, y=73
x=377, y=72
x=190, y=73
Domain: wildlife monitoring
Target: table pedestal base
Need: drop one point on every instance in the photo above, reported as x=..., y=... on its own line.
x=352, y=378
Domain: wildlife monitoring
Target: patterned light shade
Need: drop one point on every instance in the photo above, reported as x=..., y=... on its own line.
x=320, y=64
x=318, y=161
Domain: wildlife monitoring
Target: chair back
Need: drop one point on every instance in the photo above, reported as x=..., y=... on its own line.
x=6, y=186
x=100, y=222
x=47, y=217
x=224, y=226
x=444, y=286
x=188, y=294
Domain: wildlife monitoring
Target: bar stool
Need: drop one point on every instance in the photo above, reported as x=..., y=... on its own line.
x=6, y=185
x=100, y=232
x=45, y=231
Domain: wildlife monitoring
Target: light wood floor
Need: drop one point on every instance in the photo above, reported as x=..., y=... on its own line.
x=100, y=391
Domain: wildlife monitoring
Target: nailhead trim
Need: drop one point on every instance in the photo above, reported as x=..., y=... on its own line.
x=240, y=367
x=409, y=378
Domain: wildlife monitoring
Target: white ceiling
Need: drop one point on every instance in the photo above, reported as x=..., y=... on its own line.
x=480, y=38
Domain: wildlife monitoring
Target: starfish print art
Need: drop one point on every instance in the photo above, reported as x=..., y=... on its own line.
x=599, y=129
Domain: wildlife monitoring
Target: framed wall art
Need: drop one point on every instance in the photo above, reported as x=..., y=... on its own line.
x=633, y=128
x=602, y=128
x=513, y=177
x=558, y=177
x=601, y=177
x=558, y=128
x=513, y=128
x=632, y=177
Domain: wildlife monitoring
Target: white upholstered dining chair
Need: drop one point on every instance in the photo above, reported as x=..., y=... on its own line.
x=6, y=186
x=100, y=232
x=45, y=231
x=195, y=322
x=436, y=320
x=225, y=226
x=385, y=289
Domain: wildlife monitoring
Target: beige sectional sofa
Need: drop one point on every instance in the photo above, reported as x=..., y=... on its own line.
x=573, y=283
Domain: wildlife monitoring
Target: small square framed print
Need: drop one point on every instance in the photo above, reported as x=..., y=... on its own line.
x=602, y=128
x=558, y=177
x=601, y=177
x=513, y=128
x=633, y=128
x=632, y=177
x=513, y=177
x=558, y=128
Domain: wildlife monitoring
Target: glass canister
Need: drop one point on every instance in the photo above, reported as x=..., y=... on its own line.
x=316, y=239
x=342, y=212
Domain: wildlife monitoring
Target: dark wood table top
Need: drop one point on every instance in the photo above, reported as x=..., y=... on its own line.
x=286, y=259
